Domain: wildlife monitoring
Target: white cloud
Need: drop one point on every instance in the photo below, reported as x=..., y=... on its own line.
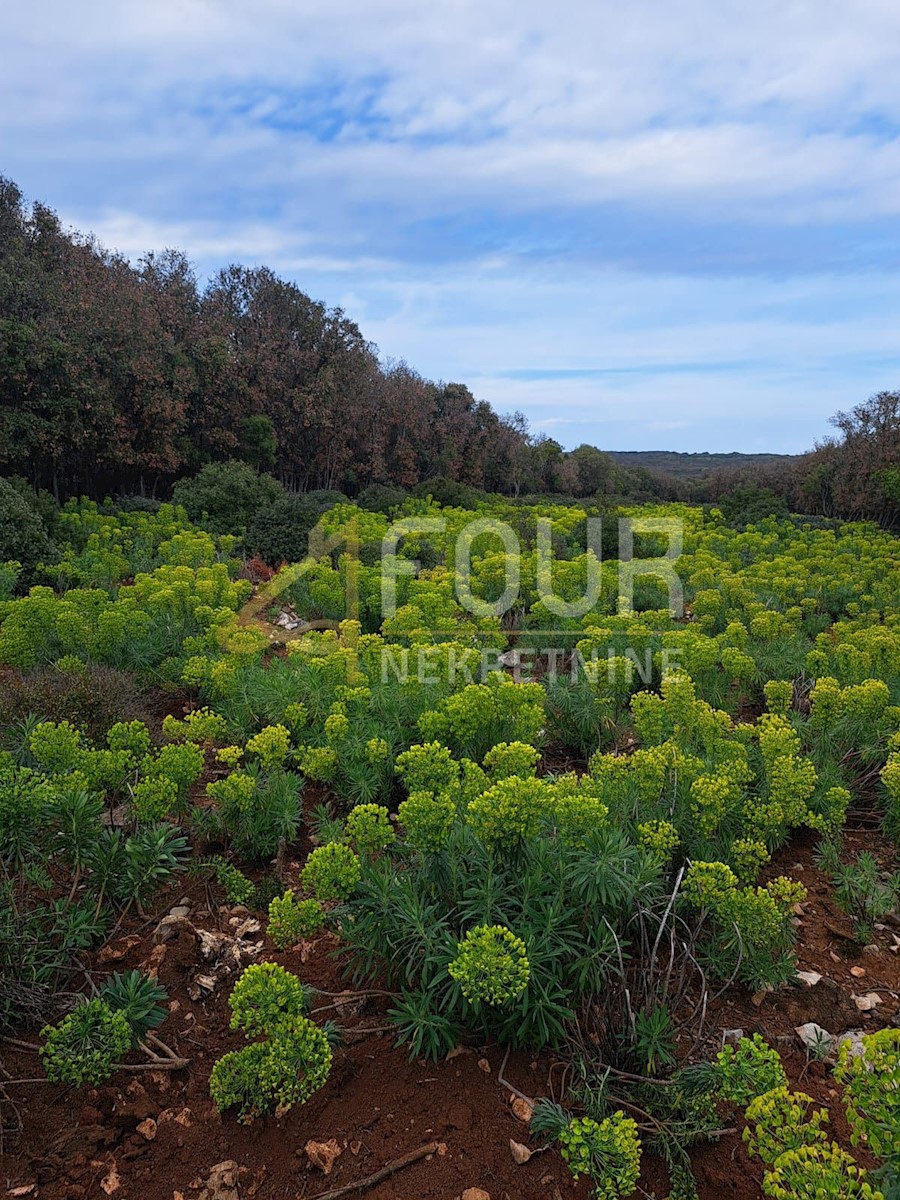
x=468, y=178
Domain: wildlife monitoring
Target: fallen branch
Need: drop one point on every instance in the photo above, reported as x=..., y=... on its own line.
x=398, y=1164
x=157, y=1064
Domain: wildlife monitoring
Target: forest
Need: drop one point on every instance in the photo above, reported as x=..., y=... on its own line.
x=119, y=379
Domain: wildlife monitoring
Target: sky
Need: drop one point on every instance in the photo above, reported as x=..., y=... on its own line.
x=644, y=225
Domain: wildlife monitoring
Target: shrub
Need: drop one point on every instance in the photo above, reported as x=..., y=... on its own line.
x=225, y=497
x=275, y=1074
x=23, y=536
x=331, y=872
x=86, y=1045
x=871, y=1083
x=294, y=1060
x=139, y=998
x=265, y=998
x=55, y=747
x=271, y=746
x=491, y=965
x=291, y=920
x=238, y=888
x=428, y=820
x=201, y=725
x=369, y=828
x=781, y=1120
x=153, y=799
x=181, y=763
x=608, y=1152
x=278, y=532
x=93, y=699
x=822, y=1171
x=748, y=1070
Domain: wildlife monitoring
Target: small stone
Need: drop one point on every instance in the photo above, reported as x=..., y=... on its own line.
x=323, y=1154
x=868, y=1002
x=110, y=1183
x=522, y=1110
x=147, y=1129
x=180, y=911
x=731, y=1037
x=870, y=949
x=476, y=1194
x=810, y=978
x=117, y=950
x=813, y=1036
x=520, y=1153
x=484, y=1065
x=857, y=972
x=184, y=1118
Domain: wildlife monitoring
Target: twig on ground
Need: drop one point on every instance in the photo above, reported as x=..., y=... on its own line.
x=397, y=1164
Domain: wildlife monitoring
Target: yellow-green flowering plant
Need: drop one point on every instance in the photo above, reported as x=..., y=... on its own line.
x=331, y=871
x=491, y=965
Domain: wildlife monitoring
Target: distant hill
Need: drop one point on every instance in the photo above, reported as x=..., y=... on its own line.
x=694, y=466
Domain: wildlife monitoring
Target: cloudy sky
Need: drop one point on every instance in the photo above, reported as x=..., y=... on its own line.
x=645, y=225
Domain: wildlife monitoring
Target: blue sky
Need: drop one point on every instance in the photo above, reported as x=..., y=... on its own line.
x=646, y=226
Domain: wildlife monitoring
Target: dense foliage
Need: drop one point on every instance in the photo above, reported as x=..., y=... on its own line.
x=558, y=853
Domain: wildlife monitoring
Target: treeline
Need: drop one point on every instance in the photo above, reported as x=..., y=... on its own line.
x=855, y=475
x=120, y=379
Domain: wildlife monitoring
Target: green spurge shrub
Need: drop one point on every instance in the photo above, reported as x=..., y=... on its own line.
x=331, y=872
x=86, y=1045
x=871, y=1093
x=139, y=998
x=780, y=1120
x=748, y=1070
x=290, y=1065
x=153, y=799
x=238, y=888
x=491, y=965
x=291, y=920
x=474, y=720
x=751, y=930
x=428, y=820
x=607, y=1151
x=822, y=1171
x=265, y=997
x=369, y=828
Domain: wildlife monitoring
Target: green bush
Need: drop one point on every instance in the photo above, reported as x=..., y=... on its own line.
x=291, y=920
x=290, y=1065
x=749, y=1070
x=265, y=998
x=225, y=497
x=822, y=1171
x=139, y=998
x=871, y=1092
x=331, y=872
x=85, y=1046
x=608, y=1152
x=23, y=536
x=279, y=532
x=780, y=1120
x=491, y=965
x=369, y=828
